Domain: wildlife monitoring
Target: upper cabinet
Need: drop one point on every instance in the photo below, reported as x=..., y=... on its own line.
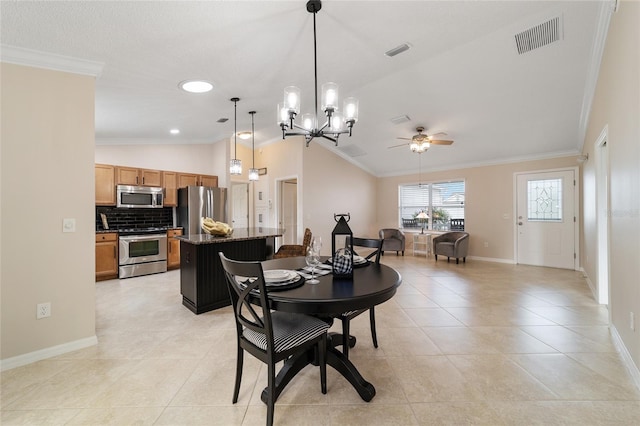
x=189, y=179
x=170, y=185
x=105, y=185
x=108, y=176
x=135, y=176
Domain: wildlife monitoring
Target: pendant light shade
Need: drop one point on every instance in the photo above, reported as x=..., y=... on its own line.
x=253, y=172
x=235, y=165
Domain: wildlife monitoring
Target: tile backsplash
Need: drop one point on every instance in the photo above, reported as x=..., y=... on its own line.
x=123, y=218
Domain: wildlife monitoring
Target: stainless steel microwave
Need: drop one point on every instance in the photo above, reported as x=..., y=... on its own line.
x=145, y=197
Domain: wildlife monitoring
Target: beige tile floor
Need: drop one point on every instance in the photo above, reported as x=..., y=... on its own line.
x=475, y=343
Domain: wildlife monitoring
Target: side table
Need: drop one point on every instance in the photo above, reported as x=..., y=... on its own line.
x=422, y=244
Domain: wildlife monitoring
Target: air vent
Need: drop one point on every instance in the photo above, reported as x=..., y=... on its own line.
x=222, y=120
x=397, y=50
x=538, y=36
x=400, y=119
x=352, y=150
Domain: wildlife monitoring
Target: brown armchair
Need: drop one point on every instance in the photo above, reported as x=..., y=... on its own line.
x=392, y=240
x=451, y=244
x=293, y=250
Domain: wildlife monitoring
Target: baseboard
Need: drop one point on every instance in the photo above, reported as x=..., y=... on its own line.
x=592, y=287
x=491, y=259
x=20, y=360
x=627, y=360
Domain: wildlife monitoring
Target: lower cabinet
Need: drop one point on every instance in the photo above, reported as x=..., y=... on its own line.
x=106, y=256
x=173, y=249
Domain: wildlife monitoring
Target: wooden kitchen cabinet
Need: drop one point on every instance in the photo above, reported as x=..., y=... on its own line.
x=190, y=179
x=173, y=249
x=135, y=176
x=105, y=185
x=106, y=256
x=170, y=185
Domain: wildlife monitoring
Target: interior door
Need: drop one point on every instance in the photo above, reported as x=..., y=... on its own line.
x=289, y=210
x=240, y=205
x=545, y=215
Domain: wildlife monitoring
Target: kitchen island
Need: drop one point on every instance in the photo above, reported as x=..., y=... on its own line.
x=202, y=282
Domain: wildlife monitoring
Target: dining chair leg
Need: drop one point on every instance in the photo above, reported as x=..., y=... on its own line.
x=271, y=393
x=322, y=360
x=239, y=361
x=345, y=337
x=372, y=320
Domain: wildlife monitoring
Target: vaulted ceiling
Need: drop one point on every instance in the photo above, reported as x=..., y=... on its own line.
x=463, y=74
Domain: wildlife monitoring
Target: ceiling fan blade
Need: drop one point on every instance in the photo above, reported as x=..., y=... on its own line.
x=406, y=139
x=438, y=134
x=396, y=146
x=440, y=142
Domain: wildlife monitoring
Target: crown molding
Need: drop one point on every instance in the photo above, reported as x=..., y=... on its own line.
x=51, y=61
x=607, y=8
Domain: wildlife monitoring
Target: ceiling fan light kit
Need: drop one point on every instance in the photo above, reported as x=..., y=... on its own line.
x=422, y=142
x=337, y=122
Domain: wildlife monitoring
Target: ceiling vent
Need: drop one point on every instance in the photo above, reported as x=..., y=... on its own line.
x=540, y=35
x=397, y=50
x=222, y=120
x=400, y=119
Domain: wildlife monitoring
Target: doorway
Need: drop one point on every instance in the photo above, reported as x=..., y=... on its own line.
x=288, y=209
x=546, y=219
x=602, y=216
x=239, y=205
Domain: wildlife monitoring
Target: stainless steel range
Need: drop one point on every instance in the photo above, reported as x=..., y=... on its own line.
x=142, y=252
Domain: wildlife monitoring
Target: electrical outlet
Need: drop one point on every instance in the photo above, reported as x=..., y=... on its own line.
x=43, y=310
x=632, y=321
x=486, y=244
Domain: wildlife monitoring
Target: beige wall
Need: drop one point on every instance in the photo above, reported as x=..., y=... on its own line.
x=617, y=105
x=333, y=185
x=489, y=196
x=207, y=159
x=47, y=175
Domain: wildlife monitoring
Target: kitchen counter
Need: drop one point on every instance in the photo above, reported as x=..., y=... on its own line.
x=202, y=282
x=237, y=235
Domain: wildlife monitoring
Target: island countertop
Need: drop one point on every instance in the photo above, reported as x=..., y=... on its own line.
x=239, y=234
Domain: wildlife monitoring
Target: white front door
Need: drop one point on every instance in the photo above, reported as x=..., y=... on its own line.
x=545, y=217
x=240, y=205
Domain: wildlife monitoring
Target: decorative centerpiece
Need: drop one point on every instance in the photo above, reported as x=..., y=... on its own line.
x=342, y=259
x=218, y=229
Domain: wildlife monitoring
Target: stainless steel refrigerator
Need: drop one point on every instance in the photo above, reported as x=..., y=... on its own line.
x=196, y=202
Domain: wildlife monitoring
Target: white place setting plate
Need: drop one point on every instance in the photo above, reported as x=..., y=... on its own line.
x=276, y=276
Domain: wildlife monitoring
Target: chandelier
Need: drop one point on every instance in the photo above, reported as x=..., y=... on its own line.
x=235, y=166
x=336, y=123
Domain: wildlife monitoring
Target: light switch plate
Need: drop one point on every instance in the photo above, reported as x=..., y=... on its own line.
x=68, y=225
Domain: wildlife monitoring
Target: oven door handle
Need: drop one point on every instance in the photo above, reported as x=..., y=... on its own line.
x=134, y=238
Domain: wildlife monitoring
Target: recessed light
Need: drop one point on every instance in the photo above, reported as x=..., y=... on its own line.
x=174, y=131
x=195, y=86
x=244, y=135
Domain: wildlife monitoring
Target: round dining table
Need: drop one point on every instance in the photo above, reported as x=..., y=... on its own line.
x=371, y=284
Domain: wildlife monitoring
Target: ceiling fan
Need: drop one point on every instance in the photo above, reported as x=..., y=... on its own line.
x=421, y=142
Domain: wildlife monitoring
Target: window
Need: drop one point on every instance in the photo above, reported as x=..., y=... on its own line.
x=544, y=200
x=442, y=201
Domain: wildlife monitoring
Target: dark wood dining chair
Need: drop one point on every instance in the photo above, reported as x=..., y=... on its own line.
x=269, y=336
x=346, y=317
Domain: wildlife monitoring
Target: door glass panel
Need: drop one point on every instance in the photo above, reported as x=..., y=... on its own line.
x=544, y=200
x=144, y=248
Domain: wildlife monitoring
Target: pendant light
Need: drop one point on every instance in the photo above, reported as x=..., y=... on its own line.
x=253, y=172
x=235, y=167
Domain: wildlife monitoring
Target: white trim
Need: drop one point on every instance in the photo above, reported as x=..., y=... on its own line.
x=627, y=360
x=17, y=361
x=600, y=38
x=52, y=61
